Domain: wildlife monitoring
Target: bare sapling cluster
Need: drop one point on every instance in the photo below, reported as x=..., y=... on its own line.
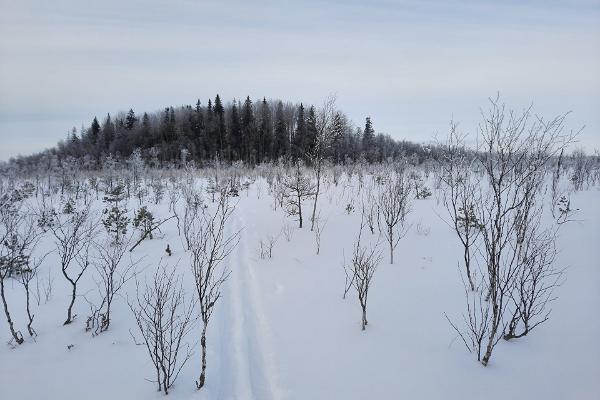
x=164, y=317
x=537, y=275
x=74, y=235
x=517, y=281
x=26, y=276
x=113, y=272
x=265, y=246
x=369, y=207
x=194, y=206
x=393, y=203
x=43, y=290
x=460, y=187
x=288, y=231
x=19, y=237
x=210, y=245
x=360, y=271
x=319, y=226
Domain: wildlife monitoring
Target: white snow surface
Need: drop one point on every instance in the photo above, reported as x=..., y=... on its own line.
x=283, y=331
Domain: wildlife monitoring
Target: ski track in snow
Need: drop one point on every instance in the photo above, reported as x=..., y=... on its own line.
x=245, y=353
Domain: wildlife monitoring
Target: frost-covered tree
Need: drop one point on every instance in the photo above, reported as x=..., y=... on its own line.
x=298, y=187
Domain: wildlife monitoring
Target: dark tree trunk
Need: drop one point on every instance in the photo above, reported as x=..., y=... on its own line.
x=202, y=379
x=15, y=334
x=70, y=310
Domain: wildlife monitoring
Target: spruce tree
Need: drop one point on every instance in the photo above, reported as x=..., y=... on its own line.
x=220, y=125
x=235, y=134
x=311, y=131
x=281, y=143
x=108, y=133
x=94, y=131
x=146, y=133
x=300, y=135
x=337, y=136
x=249, y=134
x=368, y=140
x=265, y=147
x=130, y=120
x=212, y=136
x=198, y=130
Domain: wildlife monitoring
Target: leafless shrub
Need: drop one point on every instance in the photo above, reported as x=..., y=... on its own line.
x=45, y=289
x=112, y=273
x=513, y=158
x=73, y=237
x=459, y=195
x=288, y=231
x=360, y=271
x=18, y=239
x=266, y=246
x=210, y=246
x=319, y=225
x=476, y=319
x=26, y=277
x=325, y=133
x=164, y=317
x=193, y=207
x=393, y=204
x=370, y=213
x=422, y=230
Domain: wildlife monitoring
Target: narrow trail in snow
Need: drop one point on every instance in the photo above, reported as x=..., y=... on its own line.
x=247, y=355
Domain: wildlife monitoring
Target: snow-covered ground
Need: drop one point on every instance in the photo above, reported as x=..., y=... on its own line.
x=283, y=331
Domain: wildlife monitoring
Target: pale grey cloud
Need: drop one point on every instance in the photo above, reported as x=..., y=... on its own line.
x=411, y=65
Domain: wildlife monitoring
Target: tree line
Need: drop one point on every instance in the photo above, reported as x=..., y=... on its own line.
x=248, y=131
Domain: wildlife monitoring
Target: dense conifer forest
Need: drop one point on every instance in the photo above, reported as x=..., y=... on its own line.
x=249, y=131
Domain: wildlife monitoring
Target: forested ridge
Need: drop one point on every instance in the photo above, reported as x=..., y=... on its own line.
x=248, y=131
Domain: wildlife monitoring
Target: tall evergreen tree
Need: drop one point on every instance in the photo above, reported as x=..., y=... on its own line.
x=311, y=131
x=212, y=136
x=281, y=142
x=94, y=132
x=368, y=140
x=165, y=127
x=130, y=120
x=108, y=133
x=235, y=134
x=219, y=111
x=300, y=135
x=337, y=137
x=198, y=130
x=250, y=144
x=265, y=147
x=146, y=132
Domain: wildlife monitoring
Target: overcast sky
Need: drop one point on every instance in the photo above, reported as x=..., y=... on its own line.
x=410, y=65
